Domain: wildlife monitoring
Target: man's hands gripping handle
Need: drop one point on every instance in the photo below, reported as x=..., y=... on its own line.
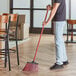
x=48, y=8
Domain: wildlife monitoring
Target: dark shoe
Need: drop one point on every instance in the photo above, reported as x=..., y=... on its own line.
x=65, y=63
x=56, y=66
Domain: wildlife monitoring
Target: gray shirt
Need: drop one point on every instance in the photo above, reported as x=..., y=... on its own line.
x=61, y=11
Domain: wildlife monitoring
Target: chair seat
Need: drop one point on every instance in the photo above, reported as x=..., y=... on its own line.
x=2, y=36
x=2, y=32
x=2, y=29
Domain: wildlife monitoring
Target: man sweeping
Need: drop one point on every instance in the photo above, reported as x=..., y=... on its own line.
x=58, y=15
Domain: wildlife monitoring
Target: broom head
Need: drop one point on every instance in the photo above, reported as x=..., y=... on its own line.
x=31, y=66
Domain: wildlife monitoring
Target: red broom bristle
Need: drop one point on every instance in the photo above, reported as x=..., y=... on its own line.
x=31, y=67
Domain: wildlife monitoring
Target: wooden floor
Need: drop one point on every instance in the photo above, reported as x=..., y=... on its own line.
x=45, y=58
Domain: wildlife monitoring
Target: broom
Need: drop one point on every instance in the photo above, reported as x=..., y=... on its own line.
x=33, y=66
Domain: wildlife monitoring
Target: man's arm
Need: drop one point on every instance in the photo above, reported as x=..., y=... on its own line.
x=53, y=11
x=49, y=7
x=52, y=14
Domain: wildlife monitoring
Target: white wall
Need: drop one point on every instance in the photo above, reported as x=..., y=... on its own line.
x=22, y=4
x=4, y=6
x=73, y=9
x=39, y=15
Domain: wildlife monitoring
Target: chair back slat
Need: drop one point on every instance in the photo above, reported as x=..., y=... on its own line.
x=71, y=22
x=5, y=14
x=4, y=19
x=13, y=17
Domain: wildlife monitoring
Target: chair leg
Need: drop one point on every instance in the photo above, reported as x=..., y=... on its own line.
x=17, y=41
x=67, y=32
x=17, y=52
x=8, y=54
x=72, y=34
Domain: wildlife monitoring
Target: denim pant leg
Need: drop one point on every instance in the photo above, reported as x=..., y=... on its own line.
x=59, y=42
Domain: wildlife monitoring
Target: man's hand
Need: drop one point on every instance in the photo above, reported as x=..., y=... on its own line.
x=44, y=23
x=48, y=7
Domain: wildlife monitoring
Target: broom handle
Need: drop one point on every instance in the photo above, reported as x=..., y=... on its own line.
x=40, y=37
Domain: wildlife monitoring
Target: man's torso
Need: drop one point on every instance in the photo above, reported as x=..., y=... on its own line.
x=61, y=11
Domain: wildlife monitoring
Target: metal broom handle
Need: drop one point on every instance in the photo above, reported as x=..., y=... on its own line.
x=40, y=37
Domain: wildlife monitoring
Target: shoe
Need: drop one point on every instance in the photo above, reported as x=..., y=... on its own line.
x=65, y=63
x=56, y=66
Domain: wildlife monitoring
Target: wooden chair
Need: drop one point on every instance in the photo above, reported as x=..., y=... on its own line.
x=6, y=20
x=70, y=29
x=13, y=18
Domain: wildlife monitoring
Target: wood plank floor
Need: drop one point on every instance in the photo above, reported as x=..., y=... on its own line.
x=45, y=58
